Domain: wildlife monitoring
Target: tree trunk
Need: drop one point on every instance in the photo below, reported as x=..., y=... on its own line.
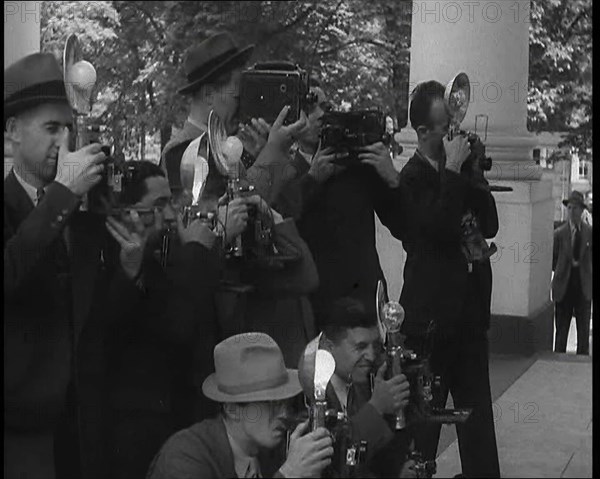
x=165, y=135
x=143, y=142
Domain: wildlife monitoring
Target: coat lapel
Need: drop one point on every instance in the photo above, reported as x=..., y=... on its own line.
x=188, y=132
x=16, y=199
x=86, y=248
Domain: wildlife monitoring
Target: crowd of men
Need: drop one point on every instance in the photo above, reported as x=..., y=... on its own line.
x=119, y=364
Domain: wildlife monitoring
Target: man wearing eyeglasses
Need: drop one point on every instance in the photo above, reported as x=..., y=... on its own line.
x=160, y=342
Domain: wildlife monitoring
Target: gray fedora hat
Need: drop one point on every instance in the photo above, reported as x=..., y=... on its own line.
x=215, y=55
x=249, y=367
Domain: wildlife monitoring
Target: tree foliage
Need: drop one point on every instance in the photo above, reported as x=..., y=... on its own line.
x=560, y=71
x=358, y=50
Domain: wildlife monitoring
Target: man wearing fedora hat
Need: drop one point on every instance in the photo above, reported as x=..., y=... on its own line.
x=255, y=389
x=213, y=69
x=572, y=282
x=54, y=282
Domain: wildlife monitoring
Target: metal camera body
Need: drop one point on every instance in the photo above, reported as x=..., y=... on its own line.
x=457, y=97
x=315, y=369
x=349, y=131
x=267, y=87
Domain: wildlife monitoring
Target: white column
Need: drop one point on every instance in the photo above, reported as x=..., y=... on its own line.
x=22, y=29
x=489, y=40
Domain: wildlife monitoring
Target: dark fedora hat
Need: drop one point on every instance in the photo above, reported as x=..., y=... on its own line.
x=31, y=81
x=576, y=198
x=207, y=60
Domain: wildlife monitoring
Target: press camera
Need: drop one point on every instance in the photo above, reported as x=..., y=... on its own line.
x=267, y=87
x=349, y=131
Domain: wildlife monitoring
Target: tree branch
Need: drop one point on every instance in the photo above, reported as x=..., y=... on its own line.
x=358, y=41
x=302, y=16
x=155, y=25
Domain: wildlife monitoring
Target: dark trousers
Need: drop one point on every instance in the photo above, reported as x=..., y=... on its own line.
x=462, y=359
x=573, y=304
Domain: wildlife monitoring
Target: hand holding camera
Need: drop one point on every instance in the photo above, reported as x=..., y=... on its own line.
x=323, y=164
x=389, y=396
x=132, y=242
x=308, y=453
x=234, y=216
x=457, y=151
x=263, y=208
x=284, y=135
x=254, y=135
x=378, y=156
x=195, y=232
x=79, y=170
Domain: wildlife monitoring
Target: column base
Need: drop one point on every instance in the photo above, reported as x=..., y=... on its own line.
x=522, y=335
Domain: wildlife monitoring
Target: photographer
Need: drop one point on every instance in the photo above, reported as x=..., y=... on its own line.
x=159, y=345
x=54, y=283
x=334, y=202
x=352, y=336
x=213, y=70
x=275, y=299
x=448, y=209
x=255, y=391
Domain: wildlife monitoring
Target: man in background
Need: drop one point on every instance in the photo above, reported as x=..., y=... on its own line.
x=572, y=282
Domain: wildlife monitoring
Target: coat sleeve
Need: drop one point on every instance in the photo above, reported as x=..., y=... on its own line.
x=194, y=278
x=267, y=172
x=298, y=276
x=555, y=248
x=173, y=313
x=431, y=214
x=368, y=425
x=387, y=205
x=24, y=247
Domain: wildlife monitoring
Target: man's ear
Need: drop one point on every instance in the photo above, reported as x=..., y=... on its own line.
x=422, y=132
x=12, y=130
x=232, y=411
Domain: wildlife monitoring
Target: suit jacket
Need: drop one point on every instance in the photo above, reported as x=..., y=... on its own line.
x=278, y=305
x=562, y=260
x=161, y=341
x=386, y=450
x=437, y=284
x=55, y=307
x=337, y=221
x=47, y=298
x=202, y=451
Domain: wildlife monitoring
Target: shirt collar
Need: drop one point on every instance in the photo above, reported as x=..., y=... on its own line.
x=341, y=387
x=573, y=226
x=241, y=461
x=30, y=190
x=433, y=163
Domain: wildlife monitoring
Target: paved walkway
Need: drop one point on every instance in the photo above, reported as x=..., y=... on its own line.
x=543, y=419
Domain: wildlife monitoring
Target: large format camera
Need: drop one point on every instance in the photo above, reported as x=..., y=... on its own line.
x=349, y=131
x=267, y=87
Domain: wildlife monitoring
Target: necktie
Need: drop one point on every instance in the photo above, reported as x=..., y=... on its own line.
x=576, y=243
x=40, y=194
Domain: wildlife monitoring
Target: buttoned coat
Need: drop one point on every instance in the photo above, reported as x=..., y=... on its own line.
x=562, y=261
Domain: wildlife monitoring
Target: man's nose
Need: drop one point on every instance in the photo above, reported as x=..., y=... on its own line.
x=370, y=353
